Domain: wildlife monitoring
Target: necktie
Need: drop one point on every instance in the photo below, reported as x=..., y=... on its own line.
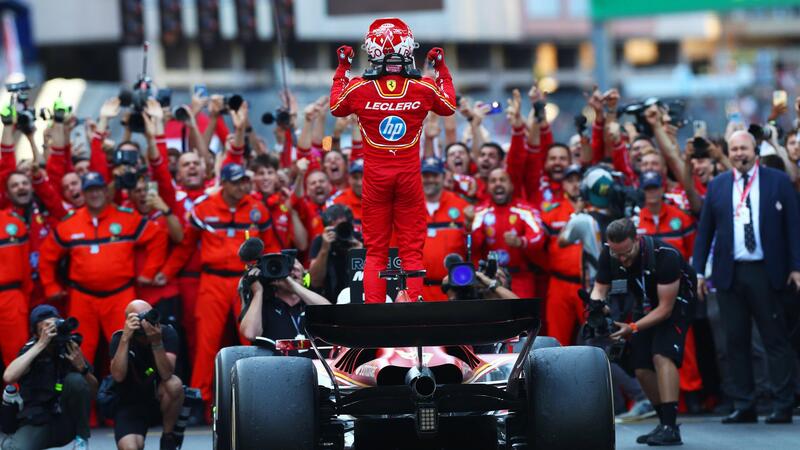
x=749, y=231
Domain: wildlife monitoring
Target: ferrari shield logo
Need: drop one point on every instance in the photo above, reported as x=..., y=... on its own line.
x=391, y=85
x=512, y=219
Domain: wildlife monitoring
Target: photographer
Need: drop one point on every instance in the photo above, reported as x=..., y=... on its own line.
x=143, y=358
x=285, y=299
x=51, y=417
x=328, y=267
x=650, y=281
x=485, y=287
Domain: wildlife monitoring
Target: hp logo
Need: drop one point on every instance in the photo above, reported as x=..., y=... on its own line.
x=392, y=128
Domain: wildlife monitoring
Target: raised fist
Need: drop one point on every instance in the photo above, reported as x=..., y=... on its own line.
x=436, y=57
x=345, y=55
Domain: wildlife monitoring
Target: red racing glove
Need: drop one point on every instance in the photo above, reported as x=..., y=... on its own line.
x=436, y=57
x=345, y=56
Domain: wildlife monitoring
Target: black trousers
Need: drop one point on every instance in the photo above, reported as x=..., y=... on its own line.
x=751, y=297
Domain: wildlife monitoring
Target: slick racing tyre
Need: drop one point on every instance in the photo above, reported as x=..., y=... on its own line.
x=221, y=411
x=570, y=404
x=275, y=404
x=545, y=342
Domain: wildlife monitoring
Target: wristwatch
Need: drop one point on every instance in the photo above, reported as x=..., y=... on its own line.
x=168, y=212
x=85, y=370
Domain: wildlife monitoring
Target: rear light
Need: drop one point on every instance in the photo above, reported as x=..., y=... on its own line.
x=427, y=419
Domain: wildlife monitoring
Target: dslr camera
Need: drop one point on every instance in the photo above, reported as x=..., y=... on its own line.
x=600, y=325
x=345, y=234
x=153, y=317
x=129, y=159
x=65, y=333
x=281, y=117
x=26, y=116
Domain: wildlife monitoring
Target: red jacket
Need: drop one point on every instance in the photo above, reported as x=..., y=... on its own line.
x=564, y=262
x=101, y=250
x=446, y=235
x=220, y=230
x=14, y=252
x=525, y=166
x=492, y=221
x=391, y=109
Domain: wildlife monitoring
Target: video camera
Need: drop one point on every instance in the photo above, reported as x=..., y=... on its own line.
x=26, y=116
x=675, y=108
x=272, y=266
x=462, y=275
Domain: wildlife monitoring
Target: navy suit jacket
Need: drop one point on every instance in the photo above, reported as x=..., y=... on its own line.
x=779, y=228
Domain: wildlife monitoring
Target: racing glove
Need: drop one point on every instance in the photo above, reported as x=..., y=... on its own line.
x=344, y=55
x=436, y=60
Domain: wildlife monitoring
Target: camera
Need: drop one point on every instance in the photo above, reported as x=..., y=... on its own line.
x=344, y=232
x=26, y=117
x=65, y=333
x=280, y=117
x=760, y=133
x=152, y=316
x=675, y=108
x=276, y=266
x=136, y=99
x=232, y=102
x=600, y=325
x=462, y=277
x=581, y=124
x=129, y=159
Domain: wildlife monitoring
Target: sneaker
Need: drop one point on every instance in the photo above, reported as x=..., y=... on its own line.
x=643, y=438
x=665, y=435
x=80, y=444
x=642, y=409
x=169, y=441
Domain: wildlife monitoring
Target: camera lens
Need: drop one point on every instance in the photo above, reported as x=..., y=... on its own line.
x=273, y=267
x=462, y=275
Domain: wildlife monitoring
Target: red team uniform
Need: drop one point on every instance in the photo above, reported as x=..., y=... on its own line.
x=492, y=222
x=391, y=109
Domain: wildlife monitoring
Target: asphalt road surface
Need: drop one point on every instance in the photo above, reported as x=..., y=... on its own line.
x=698, y=433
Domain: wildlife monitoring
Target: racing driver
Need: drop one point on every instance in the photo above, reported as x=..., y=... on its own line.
x=391, y=101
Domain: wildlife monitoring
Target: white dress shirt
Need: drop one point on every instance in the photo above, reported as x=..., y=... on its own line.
x=740, y=252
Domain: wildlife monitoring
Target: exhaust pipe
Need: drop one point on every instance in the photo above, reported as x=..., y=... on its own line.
x=422, y=382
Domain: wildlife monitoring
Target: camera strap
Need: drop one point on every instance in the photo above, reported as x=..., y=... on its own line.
x=648, y=260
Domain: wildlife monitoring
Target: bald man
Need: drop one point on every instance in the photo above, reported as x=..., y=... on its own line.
x=143, y=366
x=751, y=213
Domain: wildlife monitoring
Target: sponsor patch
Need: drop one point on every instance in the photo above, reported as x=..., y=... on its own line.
x=675, y=223
x=255, y=215
x=12, y=229
x=392, y=128
x=453, y=213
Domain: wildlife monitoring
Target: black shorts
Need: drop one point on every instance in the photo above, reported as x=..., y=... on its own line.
x=667, y=339
x=136, y=418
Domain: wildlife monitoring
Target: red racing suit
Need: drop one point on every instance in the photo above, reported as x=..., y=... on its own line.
x=390, y=113
x=491, y=222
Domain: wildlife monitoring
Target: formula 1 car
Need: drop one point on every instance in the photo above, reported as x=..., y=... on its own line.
x=404, y=375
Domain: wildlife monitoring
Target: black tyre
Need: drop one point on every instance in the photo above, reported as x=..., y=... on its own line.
x=221, y=412
x=545, y=342
x=569, y=399
x=275, y=404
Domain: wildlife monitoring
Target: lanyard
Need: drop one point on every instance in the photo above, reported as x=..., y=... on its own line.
x=295, y=321
x=746, y=190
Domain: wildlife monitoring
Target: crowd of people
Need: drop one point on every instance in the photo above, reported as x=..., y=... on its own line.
x=89, y=232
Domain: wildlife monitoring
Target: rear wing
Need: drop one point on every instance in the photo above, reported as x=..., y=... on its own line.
x=471, y=322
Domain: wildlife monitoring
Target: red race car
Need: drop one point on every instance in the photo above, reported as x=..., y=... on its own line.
x=405, y=375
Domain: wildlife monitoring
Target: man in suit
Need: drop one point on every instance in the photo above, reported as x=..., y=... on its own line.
x=751, y=213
